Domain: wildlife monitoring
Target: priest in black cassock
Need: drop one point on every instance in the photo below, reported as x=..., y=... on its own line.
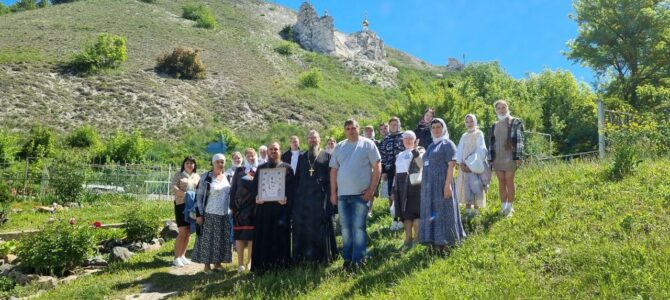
x=312, y=211
x=272, y=224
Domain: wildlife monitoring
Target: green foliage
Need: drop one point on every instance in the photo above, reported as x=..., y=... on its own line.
x=310, y=79
x=625, y=41
x=182, y=63
x=67, y=179
x=62, y=1
x=201, y=14
x=83, y=137
x=7, y=247
x=287, y=33
x=286, y=48
x=230, y=138
x=43, y=3
x=108, y=52
x=4, y=9
x=141, y=224
x=624, y=162
x=57, y=249
x=6, y=283
x=41, y=143
x=149, y=1
x=22, y=5
x=127, y=148
x=8, y=146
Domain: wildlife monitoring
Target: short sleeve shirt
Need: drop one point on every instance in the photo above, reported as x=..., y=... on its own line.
x=353, y=162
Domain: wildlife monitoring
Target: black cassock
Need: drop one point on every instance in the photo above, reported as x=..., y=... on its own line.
x=312, y=212
x=272, y=230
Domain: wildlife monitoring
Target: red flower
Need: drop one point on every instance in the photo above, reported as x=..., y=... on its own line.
x=97, y=224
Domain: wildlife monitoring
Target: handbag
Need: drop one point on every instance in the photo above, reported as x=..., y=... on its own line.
x=415, y=178
x=476, y=163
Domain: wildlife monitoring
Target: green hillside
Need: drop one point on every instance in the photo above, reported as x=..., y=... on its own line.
x=575, y=235
x=247, y=83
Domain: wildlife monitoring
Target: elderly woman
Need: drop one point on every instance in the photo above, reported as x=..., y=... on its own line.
x=406, y=191
x=506, y=153
x=471, y=186
x=330, y=145
x=182, y=183
x=440, y=225
x=243, y=206
x=213, y=245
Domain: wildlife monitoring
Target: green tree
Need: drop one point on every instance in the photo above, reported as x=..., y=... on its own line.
x=83, y=137
x=8, y=146
x=26, y=5
x=43, y=3
x=41, y=143
x=4, y=9
x=625, y=40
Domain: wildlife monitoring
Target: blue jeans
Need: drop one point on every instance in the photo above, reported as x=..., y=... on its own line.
x=353, y=212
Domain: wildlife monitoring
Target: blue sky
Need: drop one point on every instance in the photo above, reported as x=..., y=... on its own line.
x=525, y=36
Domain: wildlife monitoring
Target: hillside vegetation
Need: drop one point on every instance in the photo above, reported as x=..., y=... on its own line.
x=575, y=235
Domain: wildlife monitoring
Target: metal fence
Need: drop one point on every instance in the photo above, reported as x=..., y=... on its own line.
x=36, y=177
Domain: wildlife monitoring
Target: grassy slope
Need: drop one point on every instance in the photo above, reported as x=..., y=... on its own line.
x=247, y=83
x=574, y=235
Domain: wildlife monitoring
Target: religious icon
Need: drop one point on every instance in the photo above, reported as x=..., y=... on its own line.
x=271, y=184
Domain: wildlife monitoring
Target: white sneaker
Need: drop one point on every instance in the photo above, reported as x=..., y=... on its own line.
x=177, y=263
x=240, y=269
x=397, y=225
x=185, y=260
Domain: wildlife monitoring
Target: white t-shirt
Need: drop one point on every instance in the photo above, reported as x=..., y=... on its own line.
x=219, y=199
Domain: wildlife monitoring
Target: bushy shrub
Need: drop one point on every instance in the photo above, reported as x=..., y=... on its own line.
x=311, y=78
x=624, y=162
x=202, y=15
x=22, y=5
x=67, y=180
x=149, y=1
x=8, y=146
x=141, y=224
x=286, y=48
x=287, y=33
x=126, y=148
x=229, y=137
x=183, y=63
x=108, y=52
x=4, y=9
x=6, y=283
x=57, y=249
x=7, y=247
x=83, y=137
x=41, y=143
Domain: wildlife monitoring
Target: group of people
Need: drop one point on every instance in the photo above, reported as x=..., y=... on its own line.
x=417, y=170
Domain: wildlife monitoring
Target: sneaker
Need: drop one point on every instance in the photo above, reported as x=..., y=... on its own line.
x=396, y=225
x=185, y=261
x=177, y=263
x=240, y=269
x=510, y=212
x=369, y=214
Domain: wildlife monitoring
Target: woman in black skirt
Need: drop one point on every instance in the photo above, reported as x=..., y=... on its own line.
x=243, y=206
x=406, y=190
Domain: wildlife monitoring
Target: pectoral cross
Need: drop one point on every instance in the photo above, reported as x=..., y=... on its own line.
x=311, y=172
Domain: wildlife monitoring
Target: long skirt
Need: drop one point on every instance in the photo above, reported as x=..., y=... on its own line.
x=214, y=244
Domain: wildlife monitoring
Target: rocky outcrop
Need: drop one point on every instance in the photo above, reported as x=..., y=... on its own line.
x=314, y=33
x=366, y=44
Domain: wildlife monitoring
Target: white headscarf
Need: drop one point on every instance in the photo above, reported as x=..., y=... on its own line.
x=474, y=120
x=445, y=132
x=218, y=156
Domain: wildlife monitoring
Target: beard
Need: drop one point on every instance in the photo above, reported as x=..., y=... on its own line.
x=313, y=149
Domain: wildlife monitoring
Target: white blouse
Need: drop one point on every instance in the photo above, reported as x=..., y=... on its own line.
x=403, y=161
x=219, y=199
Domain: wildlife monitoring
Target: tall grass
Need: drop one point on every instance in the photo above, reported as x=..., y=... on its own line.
x=574, y=235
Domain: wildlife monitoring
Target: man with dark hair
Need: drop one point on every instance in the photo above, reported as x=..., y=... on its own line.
x=272, y=226
x=354, y=175
x=391, y=145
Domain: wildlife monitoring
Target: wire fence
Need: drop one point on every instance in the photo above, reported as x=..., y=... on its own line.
x=34, y=177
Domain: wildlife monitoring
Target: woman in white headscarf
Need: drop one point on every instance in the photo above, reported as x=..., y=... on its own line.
x=440, y=223
x=213, y=244
x=471, y=184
